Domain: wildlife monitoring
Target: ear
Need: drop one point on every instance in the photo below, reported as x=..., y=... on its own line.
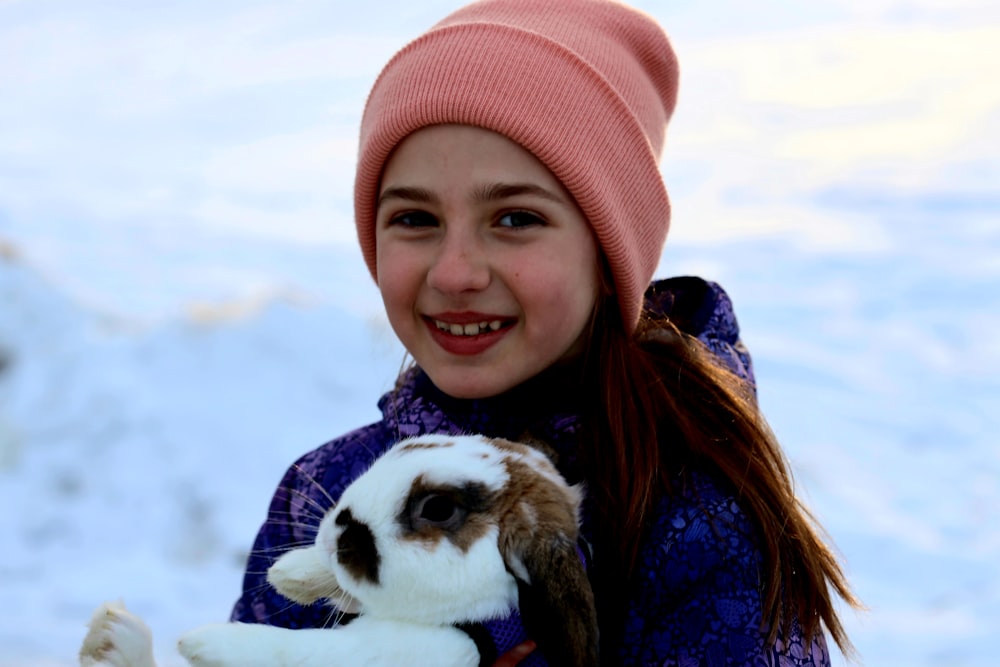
x=557, y=602
x=303, y=576
x=538, y=543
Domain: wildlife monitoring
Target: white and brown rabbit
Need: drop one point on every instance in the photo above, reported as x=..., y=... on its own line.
x=440, y=533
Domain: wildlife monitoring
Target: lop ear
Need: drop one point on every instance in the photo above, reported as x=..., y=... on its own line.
x=555, y=598
x=557, y=604
x=302, y=575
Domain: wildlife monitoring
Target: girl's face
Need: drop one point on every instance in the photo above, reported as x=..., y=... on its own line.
x=488, y=269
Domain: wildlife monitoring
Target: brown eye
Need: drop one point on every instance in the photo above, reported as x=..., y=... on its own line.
x=413, y=219
x=436, y=510
x=520, y=220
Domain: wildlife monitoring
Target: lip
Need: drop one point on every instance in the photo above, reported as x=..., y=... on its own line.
x=467, y=345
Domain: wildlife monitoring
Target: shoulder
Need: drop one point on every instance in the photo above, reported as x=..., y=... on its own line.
x=703, y=309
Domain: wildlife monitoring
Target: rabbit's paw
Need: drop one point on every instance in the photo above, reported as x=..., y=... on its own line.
x=116, y=638
x=232, y=645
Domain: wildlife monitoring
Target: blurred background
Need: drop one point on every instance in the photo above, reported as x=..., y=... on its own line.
x=183, y=311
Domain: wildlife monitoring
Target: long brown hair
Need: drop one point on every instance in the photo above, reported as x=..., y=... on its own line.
x=662, y=403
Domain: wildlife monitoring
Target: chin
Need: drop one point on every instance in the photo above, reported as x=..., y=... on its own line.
x=469, y=393
x=470, y=388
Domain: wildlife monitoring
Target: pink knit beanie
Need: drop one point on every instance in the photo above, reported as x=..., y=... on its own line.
x=587, y=86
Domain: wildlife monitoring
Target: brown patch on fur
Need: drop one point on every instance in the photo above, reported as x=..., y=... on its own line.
x=509, y=446
x=419, y=444
x=102, y=652
x=535, y=505
x=475, y=516
x=540, y=446
x=553, y=506
x=525, y=446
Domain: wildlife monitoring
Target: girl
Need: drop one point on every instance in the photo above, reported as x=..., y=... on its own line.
x=510, y=208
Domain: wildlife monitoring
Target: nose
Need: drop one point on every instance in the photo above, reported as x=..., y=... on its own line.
x=461, y=263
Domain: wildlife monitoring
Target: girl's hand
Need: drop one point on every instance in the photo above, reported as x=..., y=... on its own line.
x=515, y=655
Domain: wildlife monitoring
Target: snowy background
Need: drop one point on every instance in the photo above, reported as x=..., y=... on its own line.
x=183, y=311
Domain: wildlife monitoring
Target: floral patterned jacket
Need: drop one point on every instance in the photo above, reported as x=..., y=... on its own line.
x=696, y=602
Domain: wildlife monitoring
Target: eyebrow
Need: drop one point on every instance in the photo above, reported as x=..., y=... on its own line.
x=486, y=193
x=499, y=191
x=406, y=193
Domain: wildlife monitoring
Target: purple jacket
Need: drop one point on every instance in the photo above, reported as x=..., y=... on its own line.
x=696, y=599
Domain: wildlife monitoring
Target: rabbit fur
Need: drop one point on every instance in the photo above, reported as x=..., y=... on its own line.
x=441, y=532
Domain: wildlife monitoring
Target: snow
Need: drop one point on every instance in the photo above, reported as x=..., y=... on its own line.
x=139, y=464
x=183, y=311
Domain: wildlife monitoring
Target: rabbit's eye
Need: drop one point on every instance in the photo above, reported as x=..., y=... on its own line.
x=438, y=511
x=433, y=511
x=438, y=508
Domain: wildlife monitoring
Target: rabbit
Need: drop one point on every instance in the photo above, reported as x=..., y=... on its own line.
x=441, y=533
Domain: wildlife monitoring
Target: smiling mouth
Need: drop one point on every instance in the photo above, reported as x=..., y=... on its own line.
x=471, y=329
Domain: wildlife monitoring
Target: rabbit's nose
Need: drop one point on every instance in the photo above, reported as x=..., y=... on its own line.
x=356, y=550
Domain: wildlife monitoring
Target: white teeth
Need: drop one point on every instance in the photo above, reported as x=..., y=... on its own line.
x=468, y=329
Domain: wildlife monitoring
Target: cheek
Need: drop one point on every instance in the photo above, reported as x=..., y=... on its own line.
x=562, y=300
x=398, y=275
x=573, y=278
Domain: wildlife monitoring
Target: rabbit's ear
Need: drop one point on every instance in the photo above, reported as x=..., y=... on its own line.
x=557, y=603
x=538, y=537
